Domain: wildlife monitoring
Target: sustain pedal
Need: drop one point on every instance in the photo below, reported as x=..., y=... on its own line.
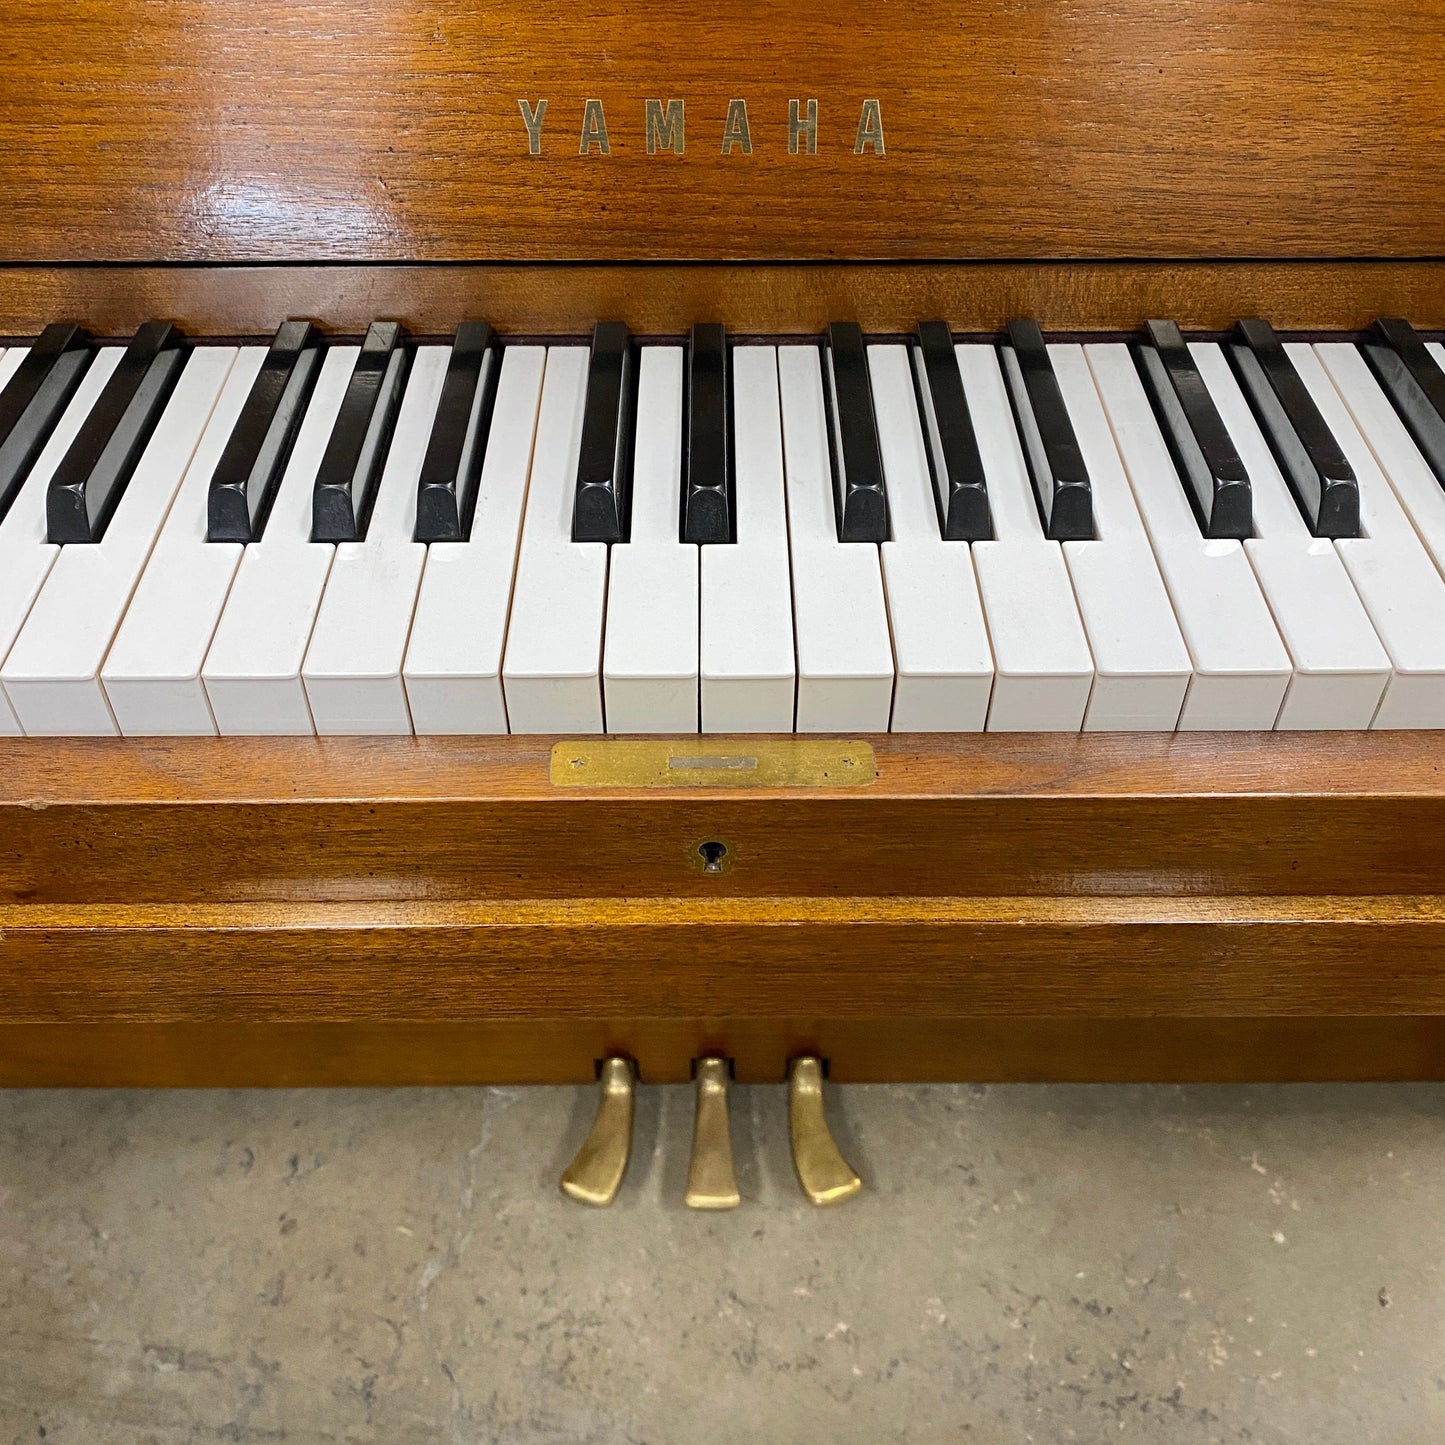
x=826, y=1176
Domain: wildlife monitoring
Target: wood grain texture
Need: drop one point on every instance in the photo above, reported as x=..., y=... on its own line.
x=223, y=130
x=666, y=300
x=364, y=910
x=359, y=1053
x=385, y=820
x=40, y=773
x=861, y=957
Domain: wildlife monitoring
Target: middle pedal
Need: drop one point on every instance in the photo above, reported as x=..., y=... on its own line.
x=711, y=1181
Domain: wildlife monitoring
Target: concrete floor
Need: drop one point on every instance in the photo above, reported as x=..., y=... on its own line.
x=1028, y=1264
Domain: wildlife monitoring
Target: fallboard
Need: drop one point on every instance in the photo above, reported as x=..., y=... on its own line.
x=390, y=131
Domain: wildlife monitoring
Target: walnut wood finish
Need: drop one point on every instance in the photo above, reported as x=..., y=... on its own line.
x=225, y=130
x=476, y=820
x=759, y=299
x=359, y=1053
x=1075, y=907
x=287, y=911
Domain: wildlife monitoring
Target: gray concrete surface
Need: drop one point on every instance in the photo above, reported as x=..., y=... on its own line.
x=1028, y=1264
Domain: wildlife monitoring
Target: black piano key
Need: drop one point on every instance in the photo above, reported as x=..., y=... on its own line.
x=446, y=491
x=601, y=509
x=1321, y=479
x=244, y=484
x=93, y=475
x=345, y=488
x=1414, y=383
x=1061, y=480
x=960, y=486
x=1214, y=477
x=33, y=400
x=708, y=499
x=859, y=491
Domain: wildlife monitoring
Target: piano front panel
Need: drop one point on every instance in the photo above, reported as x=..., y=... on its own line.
x=195, y=912
x=1186, y=819
x=390, y=131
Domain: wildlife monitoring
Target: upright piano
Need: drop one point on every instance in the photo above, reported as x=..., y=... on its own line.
x=909, y=536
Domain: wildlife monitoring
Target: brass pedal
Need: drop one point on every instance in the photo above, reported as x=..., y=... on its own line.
x=595, y=1175
x=711, y=1183
x=826, y=1176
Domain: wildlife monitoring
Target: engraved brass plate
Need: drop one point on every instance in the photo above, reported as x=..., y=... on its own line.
x=713, y=762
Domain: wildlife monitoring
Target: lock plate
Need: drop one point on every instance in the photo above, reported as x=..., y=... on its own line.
x=713, y=762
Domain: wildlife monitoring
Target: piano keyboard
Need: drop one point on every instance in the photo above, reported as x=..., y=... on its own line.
x=846, y=535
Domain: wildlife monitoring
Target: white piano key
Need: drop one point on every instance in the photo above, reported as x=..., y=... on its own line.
x=353, y=666
x=1241, y=668
x=746, y=657
x=1142, y=669
x=52, y=674
x=1395, y=576
x=453, y=669
x=9, y=724
x=9, y=363
x=940, y=643
x=1043, y=668
x=650, y=646
x=551, y=669
x=1340, y=669
x=252, y=671
x=845, y=654
x=1415, y=485
x=26, y=557
x=152, y=674
x=10, y=359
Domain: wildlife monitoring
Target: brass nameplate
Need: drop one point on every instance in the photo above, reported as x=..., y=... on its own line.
x=713, y=763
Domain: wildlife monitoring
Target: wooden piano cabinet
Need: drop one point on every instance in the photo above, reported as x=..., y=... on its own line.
x=253, y=911
x=268, y=911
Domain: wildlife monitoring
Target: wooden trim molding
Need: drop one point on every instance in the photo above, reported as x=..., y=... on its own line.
x=660, y=299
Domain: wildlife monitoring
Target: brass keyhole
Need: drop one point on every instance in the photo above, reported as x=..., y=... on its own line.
x=713, y=855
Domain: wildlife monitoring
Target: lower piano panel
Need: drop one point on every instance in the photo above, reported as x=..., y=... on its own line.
x=1122, y=988
x=404, y=911
x=360, y=1053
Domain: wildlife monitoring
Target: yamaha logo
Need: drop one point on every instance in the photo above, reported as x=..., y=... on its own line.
x=664, y=127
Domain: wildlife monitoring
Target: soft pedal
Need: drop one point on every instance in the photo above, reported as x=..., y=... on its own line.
x=595, y=1175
